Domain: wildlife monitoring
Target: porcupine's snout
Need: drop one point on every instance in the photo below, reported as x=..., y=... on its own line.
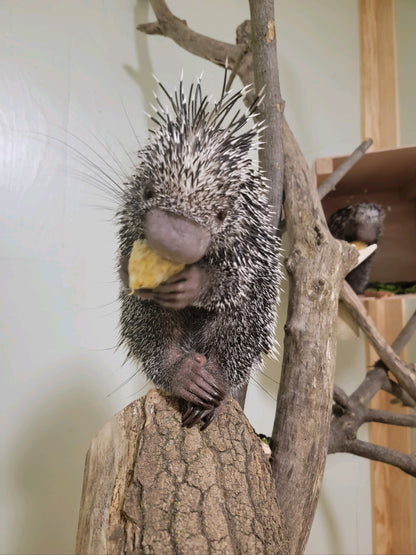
x=174, y=237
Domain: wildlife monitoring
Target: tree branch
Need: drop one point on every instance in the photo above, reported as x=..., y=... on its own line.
x=397, y=391
x=377, y=378
x=177, y=29
x=346, y=422
x=405, y=335
x=342, y=399
x=317, y=265
x=387, y=417
x=407, y=463
x=405, y=373
x=266, y=77
x=332, y=181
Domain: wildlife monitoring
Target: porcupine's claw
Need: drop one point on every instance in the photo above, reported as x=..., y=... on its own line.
x=195, y=415
x=195, y=384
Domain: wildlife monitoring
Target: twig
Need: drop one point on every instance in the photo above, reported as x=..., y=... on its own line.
x=236, y=67
x=331, y=182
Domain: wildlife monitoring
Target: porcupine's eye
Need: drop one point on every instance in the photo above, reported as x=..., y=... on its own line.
x=221, y=215
x=148, y=192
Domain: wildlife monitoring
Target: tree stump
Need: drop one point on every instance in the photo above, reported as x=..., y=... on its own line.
x=151, y=486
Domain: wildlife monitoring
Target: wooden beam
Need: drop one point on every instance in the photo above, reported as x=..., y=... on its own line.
x=390, y=488
x=378, y=67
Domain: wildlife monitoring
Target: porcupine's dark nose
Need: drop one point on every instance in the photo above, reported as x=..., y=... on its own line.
x=174, y=237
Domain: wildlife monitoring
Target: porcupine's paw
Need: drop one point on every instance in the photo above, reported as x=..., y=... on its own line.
x=198, y=387
x=196, y=415
x=180, y=290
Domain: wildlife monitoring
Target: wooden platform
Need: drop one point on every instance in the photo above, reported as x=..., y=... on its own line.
x=387, y=177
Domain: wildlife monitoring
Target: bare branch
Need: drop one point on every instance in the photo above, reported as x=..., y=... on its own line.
x=395, y=389
x=377, y=378
x=407, y=463
x=342, y=399
x=332, y=181
x=405, y=335
x=405, y=373
x=266, y=77
x=345, y=424
x=372, y=383
x=317, y=265
x=387, y=417
x=151, y=28
x=177, y=29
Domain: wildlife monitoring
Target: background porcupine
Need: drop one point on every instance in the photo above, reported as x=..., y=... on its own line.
x=360, y=222
x=199, y=199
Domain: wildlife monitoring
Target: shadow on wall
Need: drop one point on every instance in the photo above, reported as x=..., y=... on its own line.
x=47, y=463
x=144, y=68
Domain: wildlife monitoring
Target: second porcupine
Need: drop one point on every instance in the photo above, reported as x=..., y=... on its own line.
x=359, y=222
x=198, y=198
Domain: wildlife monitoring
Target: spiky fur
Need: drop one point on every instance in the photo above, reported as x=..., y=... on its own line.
x=359, y=222
x=198, y=164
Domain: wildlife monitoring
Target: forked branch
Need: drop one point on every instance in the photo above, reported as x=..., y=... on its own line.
x=405, y=373
x=350, y=412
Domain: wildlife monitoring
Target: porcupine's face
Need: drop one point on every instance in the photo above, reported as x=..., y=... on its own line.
x=189, y=184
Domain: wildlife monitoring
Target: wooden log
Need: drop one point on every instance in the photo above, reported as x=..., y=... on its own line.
x=151, y=486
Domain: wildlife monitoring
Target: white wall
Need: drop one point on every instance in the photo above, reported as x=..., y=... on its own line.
x=75, y=76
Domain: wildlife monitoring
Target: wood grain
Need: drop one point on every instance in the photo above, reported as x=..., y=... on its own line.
x=391, y=488
x=378, y=68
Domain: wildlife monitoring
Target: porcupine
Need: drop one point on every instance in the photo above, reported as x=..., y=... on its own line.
x=359, y=222
x=198, y=198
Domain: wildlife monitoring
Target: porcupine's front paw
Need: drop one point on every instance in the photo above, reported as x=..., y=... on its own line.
x=199, y=388
x=180, y=290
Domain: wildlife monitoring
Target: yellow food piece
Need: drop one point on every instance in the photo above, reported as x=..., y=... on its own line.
x=359, y=244
x=147, y=269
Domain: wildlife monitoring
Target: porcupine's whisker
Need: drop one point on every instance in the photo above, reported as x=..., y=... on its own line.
x=112, y=186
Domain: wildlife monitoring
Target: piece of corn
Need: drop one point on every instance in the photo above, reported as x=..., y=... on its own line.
x=359, y=244
x=147, y=269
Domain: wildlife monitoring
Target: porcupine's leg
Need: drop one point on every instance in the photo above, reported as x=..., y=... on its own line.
x=233, y=354
x=156, y=337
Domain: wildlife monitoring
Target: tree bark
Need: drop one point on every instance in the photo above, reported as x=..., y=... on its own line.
x=266, y=76
x=151, y=486
x=317, y=265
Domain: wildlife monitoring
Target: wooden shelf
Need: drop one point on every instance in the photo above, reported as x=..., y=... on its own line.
x=377, y=171
x=387, y=177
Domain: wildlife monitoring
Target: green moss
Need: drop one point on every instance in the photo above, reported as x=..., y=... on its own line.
x=399, y=288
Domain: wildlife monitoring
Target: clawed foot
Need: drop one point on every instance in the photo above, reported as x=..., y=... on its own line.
x=201, y=389
x=196, y=415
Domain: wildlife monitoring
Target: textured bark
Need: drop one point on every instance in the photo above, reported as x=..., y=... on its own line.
x=151, y=486
x=317, y=264
x=266, y=77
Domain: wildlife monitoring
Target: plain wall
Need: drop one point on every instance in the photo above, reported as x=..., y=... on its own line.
x=76, y=81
